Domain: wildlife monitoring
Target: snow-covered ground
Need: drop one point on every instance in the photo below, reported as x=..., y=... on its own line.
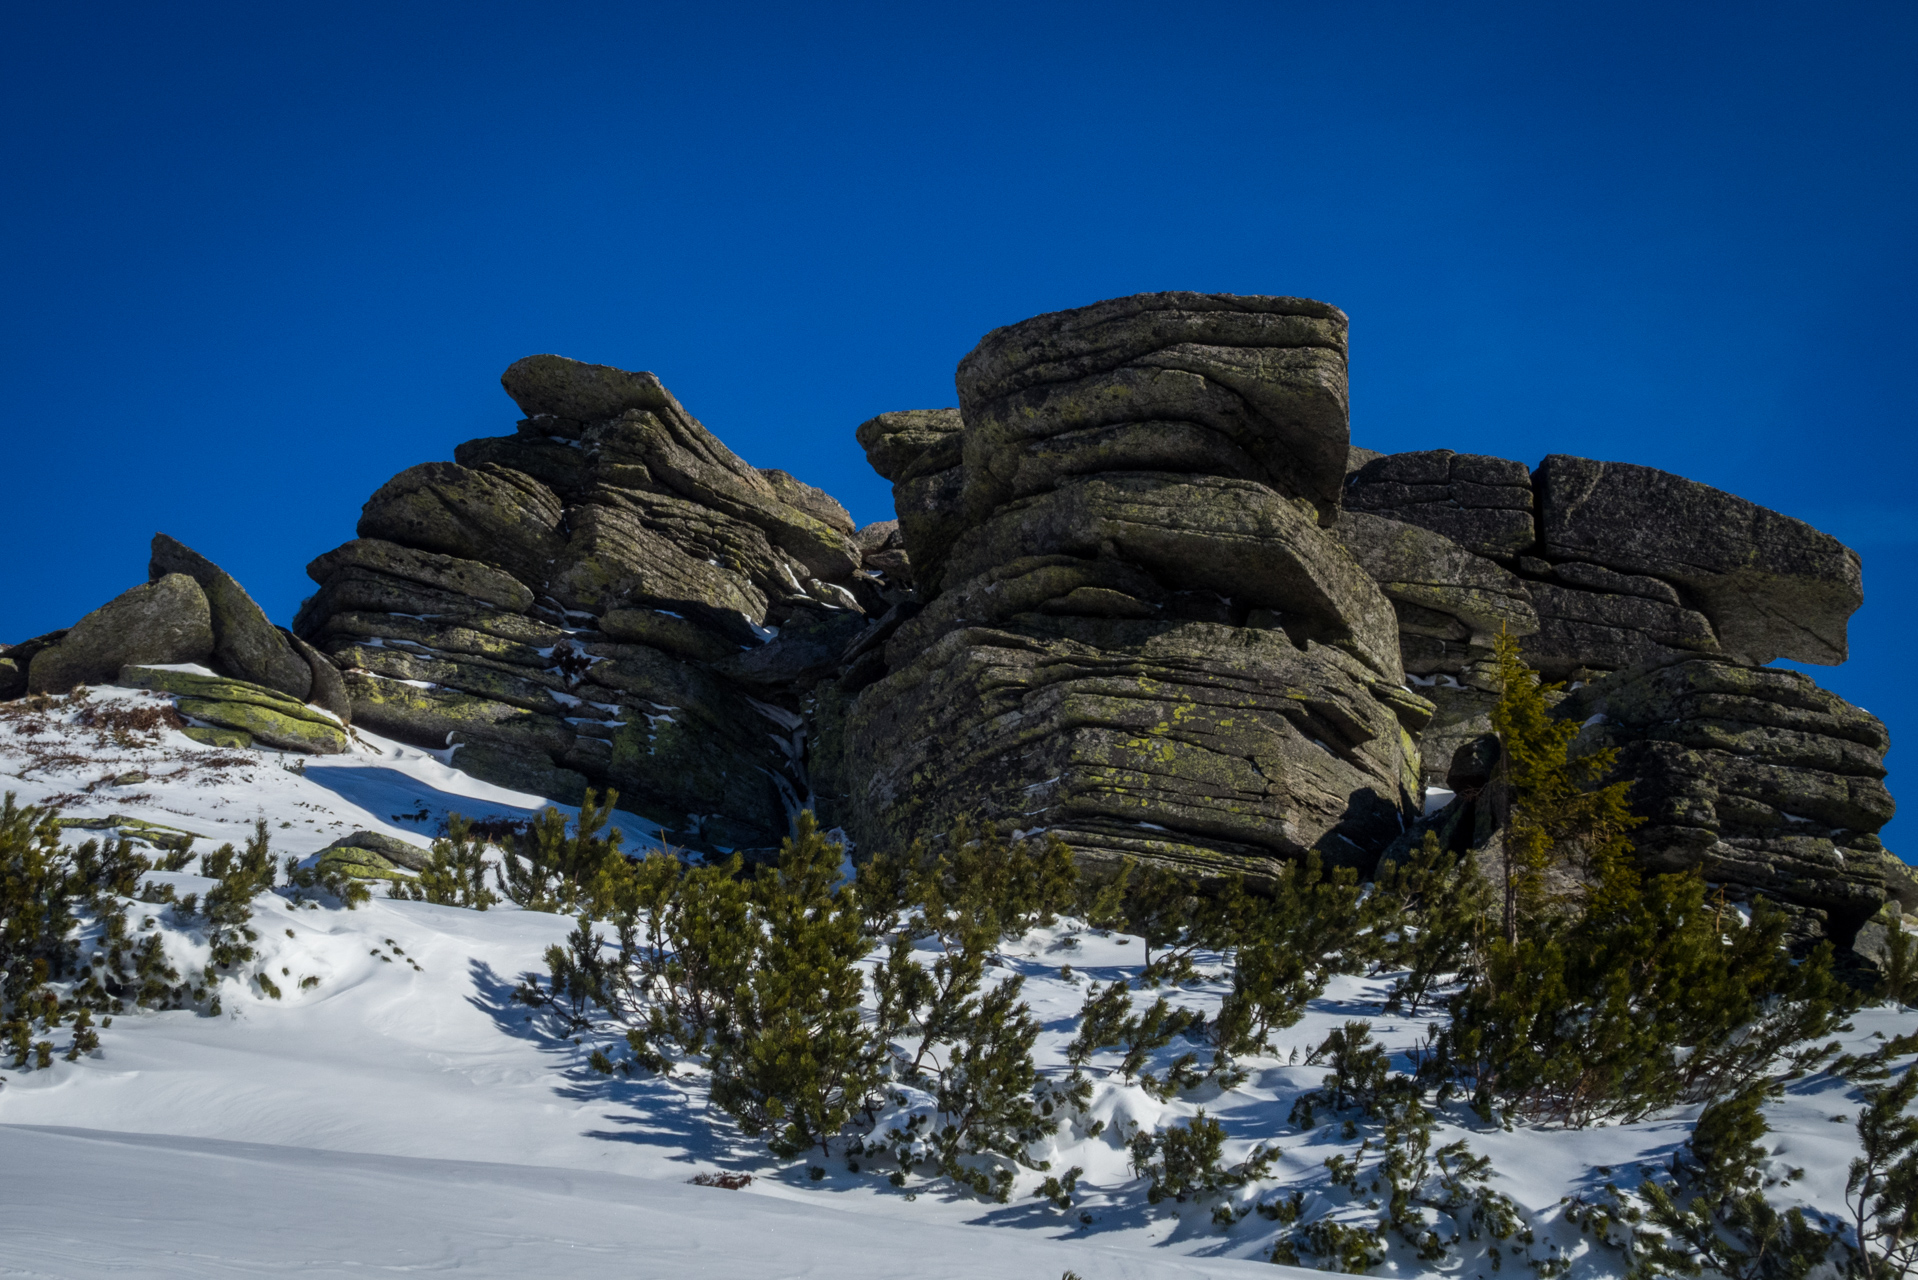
x=405, y=1113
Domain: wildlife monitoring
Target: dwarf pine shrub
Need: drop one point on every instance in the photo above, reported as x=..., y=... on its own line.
x=1184, y=1162
x=793, y=1061
x=1711, y=1213
x=1428, y=917
x=564, y=869
x=1648, y=998
x=1881, y=1186
x=455, y=875
x=1639, y=993
x=67, y=949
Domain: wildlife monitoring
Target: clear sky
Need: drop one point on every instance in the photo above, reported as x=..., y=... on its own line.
x=255, y=259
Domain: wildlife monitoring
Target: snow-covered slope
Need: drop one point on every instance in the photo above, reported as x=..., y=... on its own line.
x=404, y=1112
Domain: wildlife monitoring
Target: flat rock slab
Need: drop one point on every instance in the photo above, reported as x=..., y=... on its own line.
x=1773, y=587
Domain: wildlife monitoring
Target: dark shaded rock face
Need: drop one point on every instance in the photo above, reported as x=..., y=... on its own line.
x=162, y=622
x=608, y=598
x=1131, y=625
x=1765, y=781
x=245, y=645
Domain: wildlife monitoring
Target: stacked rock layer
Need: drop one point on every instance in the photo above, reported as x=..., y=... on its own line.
x=1141, y=592
x=608, y=598
x=1134, y=628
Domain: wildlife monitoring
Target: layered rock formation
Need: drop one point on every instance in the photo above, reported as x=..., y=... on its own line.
x=609, y=597
x=1141, y=592
x=1133, y=627
x=1596, y=566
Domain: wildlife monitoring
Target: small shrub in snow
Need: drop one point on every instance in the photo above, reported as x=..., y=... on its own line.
x=1881, y=1187
x=455, y=876
x=1711, y=1214
x=1428, y=918
x=793, y=1061
x=562, y=869
x=1185, y=1162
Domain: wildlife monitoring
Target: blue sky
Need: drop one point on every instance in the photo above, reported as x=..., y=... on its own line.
x=259, y=258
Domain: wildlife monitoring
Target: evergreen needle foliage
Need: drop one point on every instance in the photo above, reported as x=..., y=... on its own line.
x=1428, y=917
x=1635, y=994
x=1184, y=1162
x=793, y=1061
x=1881, y=1188
x=1712, y=1214
x=455, y=876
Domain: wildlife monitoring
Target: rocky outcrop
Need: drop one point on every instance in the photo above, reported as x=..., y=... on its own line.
x=262, y=714
x=1131, y=625
x=245, y=645
x=1767, y=783
x=166, y=621
x=608, y=598
x=1601, y=567
x=1141, y=592
x=1770, y=586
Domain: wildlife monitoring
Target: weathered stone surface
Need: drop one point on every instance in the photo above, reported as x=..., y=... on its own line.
x=1415, y=565
x=525, y=642
x=394, y=850
x=220, y=689
x=1234, y=537
x=1210, y=384
x=1586, y=631
x=668, y=632
x=1773, y=587
x=614, y=560
x=1766, y=782
x=360, y=864
x=912, y=442
x=207, y=735
x=355, y=590
x=431, y=717
x=15, y=659
x=519, y=770
x=669, y=451
x=1482, y=503
x=882, y=550
x=468, y=578
x=1594, y=577
x=558, y=387
x=559, y=464
x=920, y=451
x=501, y=682
x=245, y=645
x=807, y=650
x=328, y=691
x=488, y=513
x=167, y=621
x=815, y=502
x=932, y=516
x=1195, y=744
x=268, y=725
